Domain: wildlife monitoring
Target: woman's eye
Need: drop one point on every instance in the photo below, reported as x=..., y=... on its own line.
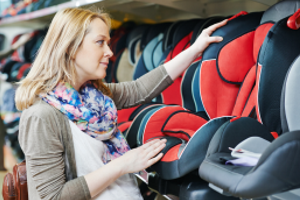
x=100, y=42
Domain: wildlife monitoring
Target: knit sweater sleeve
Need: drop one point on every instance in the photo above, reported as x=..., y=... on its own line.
x=41, y=141
x=142, y=90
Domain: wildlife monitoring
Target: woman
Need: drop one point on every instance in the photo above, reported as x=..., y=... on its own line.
x=68, y=128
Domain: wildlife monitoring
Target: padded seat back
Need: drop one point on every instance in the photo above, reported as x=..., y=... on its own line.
x=225, y=65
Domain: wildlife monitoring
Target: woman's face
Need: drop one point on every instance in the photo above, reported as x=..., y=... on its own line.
x=93, y=55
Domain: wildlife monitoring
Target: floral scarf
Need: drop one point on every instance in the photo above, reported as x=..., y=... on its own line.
x=93, y=112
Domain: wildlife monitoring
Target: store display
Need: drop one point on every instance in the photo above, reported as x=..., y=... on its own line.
x=230, y=93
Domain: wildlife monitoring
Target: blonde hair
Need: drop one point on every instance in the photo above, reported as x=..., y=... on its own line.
x=54, y=61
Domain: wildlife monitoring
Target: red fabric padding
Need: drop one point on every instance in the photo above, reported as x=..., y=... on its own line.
x=172, y=154
x=172, y=94
x=256, y=88
x=218, y=96
x=260, y=35
x=244, y=92
x=236, y=58
x=124, y=114
x=251, y=103
x=183, y=121
x=275, y=135
x=237, y=15
x=156, y=122
x=123, y=127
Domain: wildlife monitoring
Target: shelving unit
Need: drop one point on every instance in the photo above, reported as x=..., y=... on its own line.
x=141, y=11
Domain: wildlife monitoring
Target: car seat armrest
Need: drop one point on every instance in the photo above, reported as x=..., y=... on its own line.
x=198, y=144
x=230, y=134
x=277, y=170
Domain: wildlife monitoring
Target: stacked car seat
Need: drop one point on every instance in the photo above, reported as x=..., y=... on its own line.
x=227, y=78
x=180, y=126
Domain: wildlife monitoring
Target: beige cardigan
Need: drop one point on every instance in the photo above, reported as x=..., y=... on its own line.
x=51, y=167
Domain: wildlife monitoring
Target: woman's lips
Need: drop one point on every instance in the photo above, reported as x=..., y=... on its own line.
x=104, y=63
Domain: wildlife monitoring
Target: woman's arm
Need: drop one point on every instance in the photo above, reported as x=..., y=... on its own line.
x=182, y=61
x=142, y=90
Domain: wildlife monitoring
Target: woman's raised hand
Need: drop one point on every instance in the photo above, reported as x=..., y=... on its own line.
x=142, y=157
x=205, y=38
x=182, y=61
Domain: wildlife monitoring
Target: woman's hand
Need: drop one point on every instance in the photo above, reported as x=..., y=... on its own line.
x=132, y=161
x=205, y=39
x=142, y=157
x=182, y=61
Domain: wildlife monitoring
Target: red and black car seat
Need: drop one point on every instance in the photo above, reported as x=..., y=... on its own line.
x=228, y=69
x=277, y=169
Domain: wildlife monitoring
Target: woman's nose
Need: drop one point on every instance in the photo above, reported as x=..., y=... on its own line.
x=108, y=52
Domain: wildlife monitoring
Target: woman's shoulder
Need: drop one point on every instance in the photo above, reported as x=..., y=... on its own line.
x=40, y=111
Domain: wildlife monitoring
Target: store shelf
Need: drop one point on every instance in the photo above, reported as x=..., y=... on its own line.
x=40, y=16
x=141, y=10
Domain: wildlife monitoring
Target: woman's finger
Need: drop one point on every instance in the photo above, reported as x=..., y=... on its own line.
x=155, y=151
x=145, y=146
x=215, y=39
x=152, y=146
x=155, y=159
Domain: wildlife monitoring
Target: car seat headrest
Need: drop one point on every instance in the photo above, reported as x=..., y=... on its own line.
x=152, y=32
x=169, y=34
x=280, y=10
x=136, y=33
